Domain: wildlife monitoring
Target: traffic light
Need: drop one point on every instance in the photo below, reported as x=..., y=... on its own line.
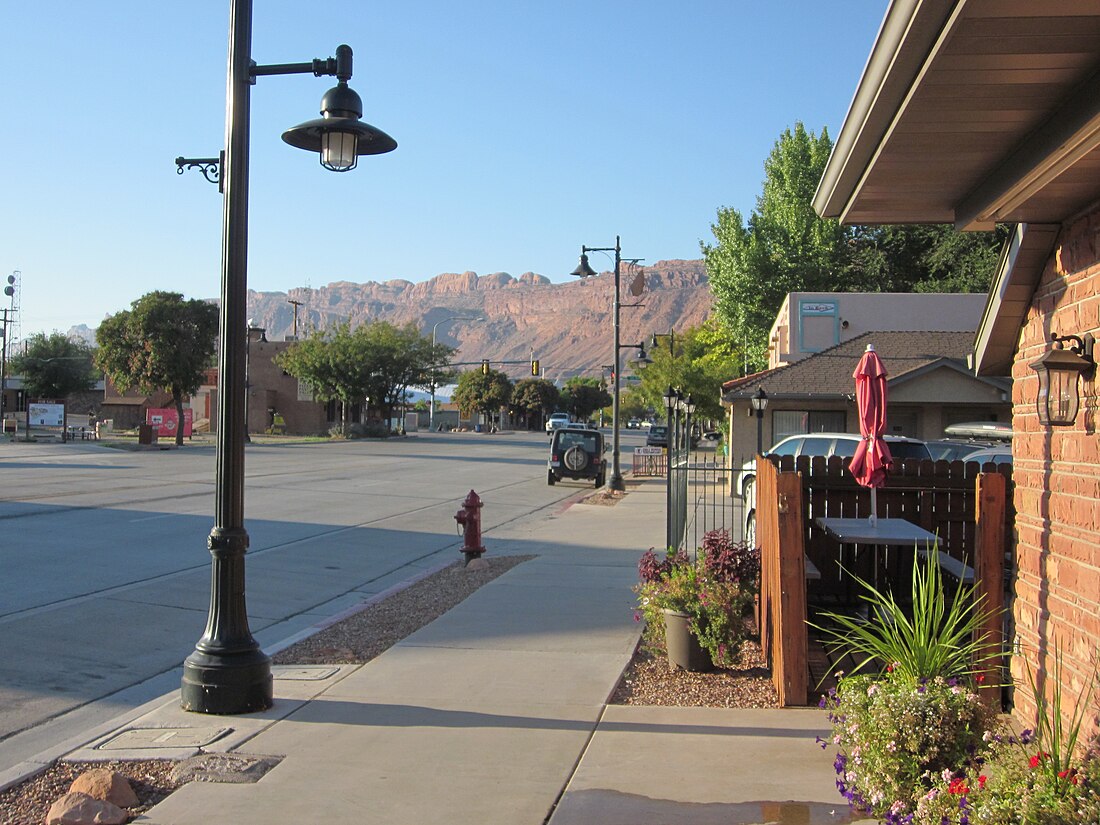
x=534, y=366
x=485, y=366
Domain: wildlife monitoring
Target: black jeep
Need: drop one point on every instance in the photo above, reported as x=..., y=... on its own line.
x=576, y=452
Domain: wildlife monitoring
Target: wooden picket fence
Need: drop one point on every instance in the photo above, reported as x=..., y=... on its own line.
x=967, y=506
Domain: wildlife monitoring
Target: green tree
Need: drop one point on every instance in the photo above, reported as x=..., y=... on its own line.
x=376, y=361
x=632, y=404
x=54, y=366
x=927, y=258
x=398, y=358
x=162, y=342
x=535, y=395
x=332, y=363
x=480, y=392
x=583, y=396
x=784, y=246
x=701, y=362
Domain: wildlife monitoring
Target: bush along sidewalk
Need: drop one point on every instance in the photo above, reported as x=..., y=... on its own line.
x=918, y=746
x=714, y=591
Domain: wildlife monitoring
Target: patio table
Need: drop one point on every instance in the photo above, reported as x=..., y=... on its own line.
x=883, y=534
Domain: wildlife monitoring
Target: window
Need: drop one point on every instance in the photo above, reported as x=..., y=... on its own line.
x=796, y=422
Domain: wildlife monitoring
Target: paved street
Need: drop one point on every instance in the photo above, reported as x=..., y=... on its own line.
x=106, y=571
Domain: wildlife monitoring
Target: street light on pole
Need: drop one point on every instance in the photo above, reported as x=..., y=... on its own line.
x=672, y=398
x=227, y=672
x=583, y=270
x=759, y=403
x=435, y=326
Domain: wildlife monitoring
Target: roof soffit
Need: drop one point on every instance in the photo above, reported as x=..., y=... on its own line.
x=1000, y=121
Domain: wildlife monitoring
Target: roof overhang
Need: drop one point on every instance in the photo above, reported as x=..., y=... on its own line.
x=972, y=112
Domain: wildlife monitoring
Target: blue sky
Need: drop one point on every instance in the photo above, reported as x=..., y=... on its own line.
x=524, y=130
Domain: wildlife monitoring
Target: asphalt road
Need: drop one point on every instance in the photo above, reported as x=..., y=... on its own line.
x=105, y=575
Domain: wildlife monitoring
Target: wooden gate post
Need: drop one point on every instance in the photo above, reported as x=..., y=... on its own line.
x=989, y=551
x=781, y=532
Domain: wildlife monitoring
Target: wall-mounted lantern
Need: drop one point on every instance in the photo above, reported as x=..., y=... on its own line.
x=1060, y=372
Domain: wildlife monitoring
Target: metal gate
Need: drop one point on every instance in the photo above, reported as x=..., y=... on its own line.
x=704, y=494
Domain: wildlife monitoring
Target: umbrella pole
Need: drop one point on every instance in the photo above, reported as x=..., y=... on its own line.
x=874, y=506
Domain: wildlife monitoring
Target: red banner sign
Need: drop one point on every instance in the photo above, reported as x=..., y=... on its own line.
x=166, y=421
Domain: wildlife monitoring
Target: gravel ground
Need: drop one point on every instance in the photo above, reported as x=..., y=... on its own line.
x=648, y=680
x=27, y=803
x=651, y=680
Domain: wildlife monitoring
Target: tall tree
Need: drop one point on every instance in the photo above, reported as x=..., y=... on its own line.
x=782, y=248
x=162, y=342
x=54, y=366
x=331, y=364
x=785, y=247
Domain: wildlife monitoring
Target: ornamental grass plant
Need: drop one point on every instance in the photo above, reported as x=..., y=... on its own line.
x=935, y=637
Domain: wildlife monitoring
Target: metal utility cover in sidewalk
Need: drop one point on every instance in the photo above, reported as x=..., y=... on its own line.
x=161, y=738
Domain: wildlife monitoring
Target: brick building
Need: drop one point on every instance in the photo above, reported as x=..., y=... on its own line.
x=978, y=113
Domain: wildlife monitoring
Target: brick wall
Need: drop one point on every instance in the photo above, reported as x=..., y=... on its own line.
x=1057, y=482
x=271, y=388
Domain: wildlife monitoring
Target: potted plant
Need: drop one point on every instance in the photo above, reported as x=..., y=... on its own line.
x=695, y=608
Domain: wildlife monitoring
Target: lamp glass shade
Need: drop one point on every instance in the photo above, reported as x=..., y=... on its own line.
x=759, y=401
x=339, y=150
x=1059, y=397
x=1058, y=400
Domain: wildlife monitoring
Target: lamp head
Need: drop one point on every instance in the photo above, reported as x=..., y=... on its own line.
x=583, y=270
x=339, y=135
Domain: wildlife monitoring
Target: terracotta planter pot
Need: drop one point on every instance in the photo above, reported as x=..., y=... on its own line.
x=684, y=650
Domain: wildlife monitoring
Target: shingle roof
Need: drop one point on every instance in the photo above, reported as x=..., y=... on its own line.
x=828, y=374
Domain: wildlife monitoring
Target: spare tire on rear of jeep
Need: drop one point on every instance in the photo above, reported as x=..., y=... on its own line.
x=575, y=458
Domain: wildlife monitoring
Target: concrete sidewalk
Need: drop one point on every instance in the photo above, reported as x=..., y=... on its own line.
x=495, y=713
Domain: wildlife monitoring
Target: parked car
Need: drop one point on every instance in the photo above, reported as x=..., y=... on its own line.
x=1001, y=454
x=558, y=419
x=576, y=452
x=814, y=444
x=657, y=436
x=828, y=445
x=949, y=449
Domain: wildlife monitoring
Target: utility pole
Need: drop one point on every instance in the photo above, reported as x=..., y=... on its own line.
x=296, y=305
x=3, y=362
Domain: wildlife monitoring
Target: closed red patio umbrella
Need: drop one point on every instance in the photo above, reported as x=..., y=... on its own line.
x=872, y=457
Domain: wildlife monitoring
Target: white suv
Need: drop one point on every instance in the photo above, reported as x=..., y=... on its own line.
x=556, y=420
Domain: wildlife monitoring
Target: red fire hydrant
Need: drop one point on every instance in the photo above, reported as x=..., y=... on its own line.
x=469, y=517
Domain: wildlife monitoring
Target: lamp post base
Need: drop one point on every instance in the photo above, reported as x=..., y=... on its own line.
x=227, y=683
x=615, y=482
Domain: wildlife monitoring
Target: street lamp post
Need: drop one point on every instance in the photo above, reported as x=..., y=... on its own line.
x=759, y=403
x=671, y=397
x=435, y=326
x=227, y=672
x=583, y=270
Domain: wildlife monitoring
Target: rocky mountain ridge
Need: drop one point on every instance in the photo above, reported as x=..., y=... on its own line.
x=567, y=326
